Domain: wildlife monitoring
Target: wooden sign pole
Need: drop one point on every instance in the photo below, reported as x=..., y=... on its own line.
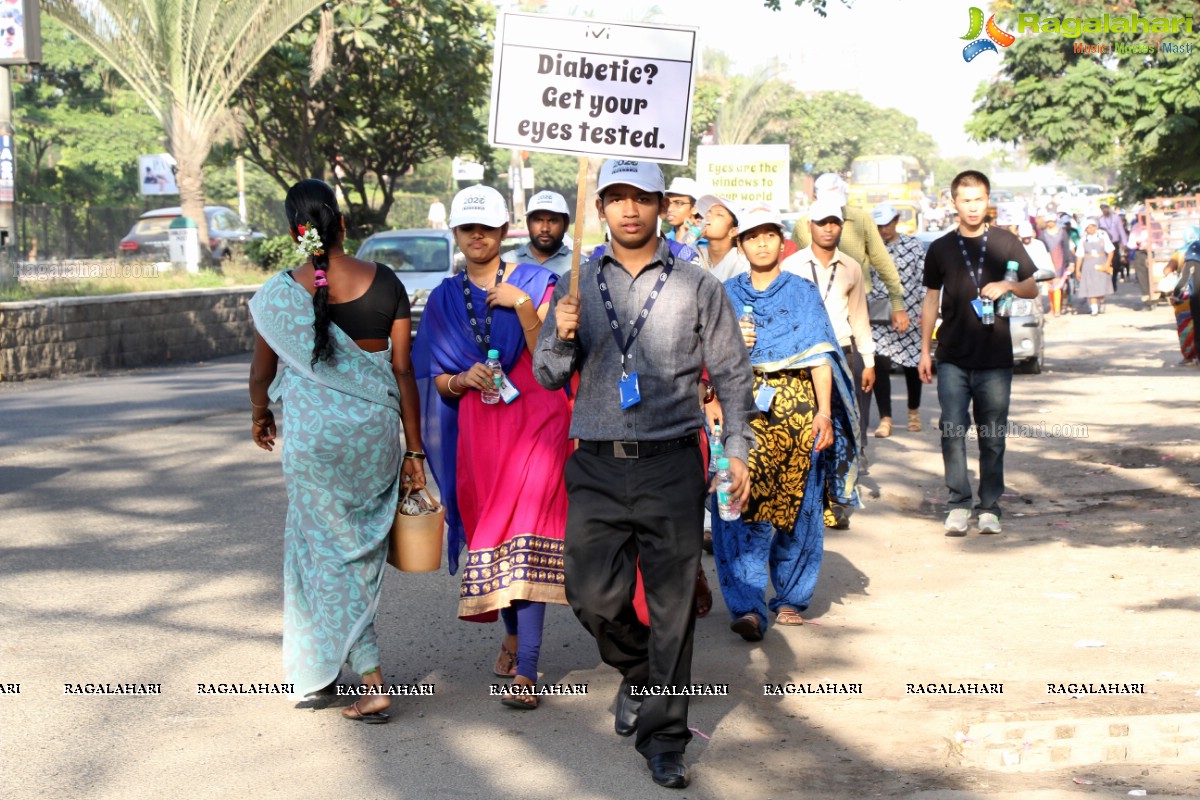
x=580, y=211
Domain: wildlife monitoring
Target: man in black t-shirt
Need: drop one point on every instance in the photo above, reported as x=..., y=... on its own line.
x=964, y=272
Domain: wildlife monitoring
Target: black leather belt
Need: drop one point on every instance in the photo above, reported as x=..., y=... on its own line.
x=638, y=449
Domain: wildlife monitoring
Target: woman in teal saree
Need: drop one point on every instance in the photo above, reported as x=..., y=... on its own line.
x=332, y=344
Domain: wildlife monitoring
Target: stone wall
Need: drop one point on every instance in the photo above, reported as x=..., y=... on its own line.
x=47, y=338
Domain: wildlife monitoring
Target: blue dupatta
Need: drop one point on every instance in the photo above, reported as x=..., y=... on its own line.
x=445, y=344
x=797, y=334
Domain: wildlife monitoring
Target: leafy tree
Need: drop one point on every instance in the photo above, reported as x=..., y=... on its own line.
x=403, y=87
x=184, y=60
x=828, y=130
x=80, y=128
x=1136, y=113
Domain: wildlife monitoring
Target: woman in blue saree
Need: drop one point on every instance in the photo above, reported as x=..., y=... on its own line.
x=801, y=429
x=332, y=344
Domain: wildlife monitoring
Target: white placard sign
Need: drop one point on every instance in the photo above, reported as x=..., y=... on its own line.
x=746, y=174
x=589, y=88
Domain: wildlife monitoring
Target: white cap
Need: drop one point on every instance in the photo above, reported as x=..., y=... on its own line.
x=709, y=200
x=645, y=175
x=684, y=186
x=478, y=205
x=1025, y=230
x=824, y=208
x=548, y=201
x=833, y=187
x=755, y=216
x=884, y=213
x=1087, y=223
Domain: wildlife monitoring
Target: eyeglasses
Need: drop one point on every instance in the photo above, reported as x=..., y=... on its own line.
x=680, y=203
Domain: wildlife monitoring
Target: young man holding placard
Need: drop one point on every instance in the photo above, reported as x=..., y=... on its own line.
x=639, y=333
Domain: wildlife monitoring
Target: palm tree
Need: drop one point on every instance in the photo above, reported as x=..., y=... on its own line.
x=184, y=58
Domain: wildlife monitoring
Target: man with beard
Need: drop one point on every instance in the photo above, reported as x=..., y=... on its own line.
x=546, y=219
x=643, y=326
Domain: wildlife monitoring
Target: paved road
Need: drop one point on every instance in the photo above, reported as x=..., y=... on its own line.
x=140, y=541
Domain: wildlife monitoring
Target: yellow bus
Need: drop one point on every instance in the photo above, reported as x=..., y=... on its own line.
x=874, y=179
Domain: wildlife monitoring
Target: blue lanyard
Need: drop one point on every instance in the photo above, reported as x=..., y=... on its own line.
x=967, y=259
x=624, y=345
x=483, y=333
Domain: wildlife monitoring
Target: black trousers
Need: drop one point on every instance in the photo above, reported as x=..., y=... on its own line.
x=855, y=360
x=883, y=386
x=623, y=510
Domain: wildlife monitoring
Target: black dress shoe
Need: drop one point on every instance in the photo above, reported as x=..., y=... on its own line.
x=625, y=718
x=668, y=770
x=748, y=627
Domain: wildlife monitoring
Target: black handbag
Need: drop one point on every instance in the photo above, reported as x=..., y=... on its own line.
x=879, y=309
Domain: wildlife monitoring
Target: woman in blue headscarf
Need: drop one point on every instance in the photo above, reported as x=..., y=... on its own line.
x=808, y=423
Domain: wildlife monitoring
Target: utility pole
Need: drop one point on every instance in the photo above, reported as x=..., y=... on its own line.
x=8, y=229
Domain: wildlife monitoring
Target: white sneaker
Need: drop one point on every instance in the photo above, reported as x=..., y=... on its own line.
x=988, y=523
x=957, y=519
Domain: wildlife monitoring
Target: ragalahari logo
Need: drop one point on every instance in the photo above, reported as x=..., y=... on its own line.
x=995, y=36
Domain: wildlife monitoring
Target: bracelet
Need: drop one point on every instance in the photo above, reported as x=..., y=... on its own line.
x=536, y=322
x=256, y=405
x=522, y=301
x=258, y=424
x=450, y=387
x=416, y=454
x=826, y=416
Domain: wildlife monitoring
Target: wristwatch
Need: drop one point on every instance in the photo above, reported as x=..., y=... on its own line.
x=524, y=299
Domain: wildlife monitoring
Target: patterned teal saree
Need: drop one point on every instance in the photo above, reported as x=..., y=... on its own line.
x=341, y=463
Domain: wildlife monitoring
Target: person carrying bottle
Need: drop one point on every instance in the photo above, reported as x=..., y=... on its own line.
x=964, y=275
x=640, y=331
x=499, y=465
x=798, y=366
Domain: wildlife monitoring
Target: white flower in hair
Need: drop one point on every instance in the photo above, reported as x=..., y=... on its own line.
x=310, y=241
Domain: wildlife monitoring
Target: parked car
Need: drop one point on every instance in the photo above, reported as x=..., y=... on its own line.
x=147, y=239
x=1026, y=324
x=516, y=237
x=421, y=257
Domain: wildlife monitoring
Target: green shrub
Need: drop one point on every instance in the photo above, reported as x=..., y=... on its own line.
x=274, y=254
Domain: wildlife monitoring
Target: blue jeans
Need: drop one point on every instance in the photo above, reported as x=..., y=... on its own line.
x=984, y=394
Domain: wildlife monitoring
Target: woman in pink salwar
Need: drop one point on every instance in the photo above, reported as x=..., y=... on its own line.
x=499, y=465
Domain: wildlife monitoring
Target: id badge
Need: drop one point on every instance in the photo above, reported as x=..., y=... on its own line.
x=764, y=396
x=631, y=395
x=977, y=304
x=508, y=392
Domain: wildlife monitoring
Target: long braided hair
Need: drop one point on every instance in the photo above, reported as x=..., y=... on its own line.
x=311, y=207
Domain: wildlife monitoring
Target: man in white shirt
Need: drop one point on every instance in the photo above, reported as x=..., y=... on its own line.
x=840, y=281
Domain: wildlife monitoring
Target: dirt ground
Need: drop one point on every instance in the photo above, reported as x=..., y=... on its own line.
x=148, y=549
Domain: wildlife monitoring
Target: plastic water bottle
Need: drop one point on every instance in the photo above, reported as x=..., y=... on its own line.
x=492, y=396
x=727, y=508
x=716, y=450
x=988, y=317
x=1004, y=304
x=746, y=320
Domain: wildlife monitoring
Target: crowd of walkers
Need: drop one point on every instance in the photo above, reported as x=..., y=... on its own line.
x=574, y=422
